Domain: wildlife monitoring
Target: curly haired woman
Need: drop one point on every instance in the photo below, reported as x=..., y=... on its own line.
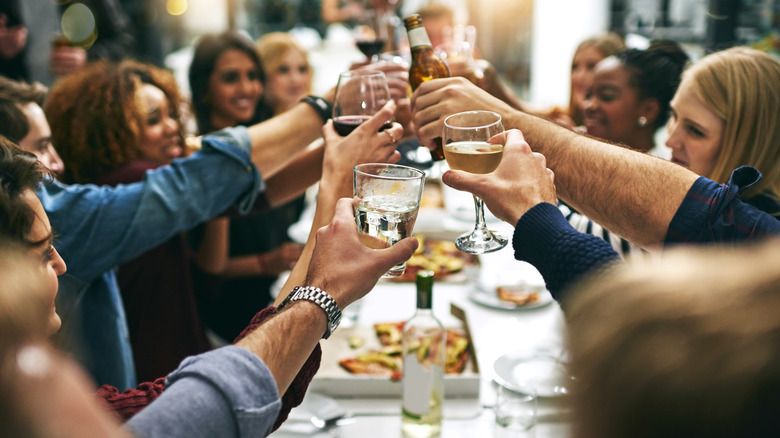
x=111, y=123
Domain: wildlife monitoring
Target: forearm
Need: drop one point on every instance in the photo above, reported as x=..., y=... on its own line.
x=301, y=321
x=633, y=194
x=277, y=139
x=212, y=255
x=295, y=177
x=330, y=191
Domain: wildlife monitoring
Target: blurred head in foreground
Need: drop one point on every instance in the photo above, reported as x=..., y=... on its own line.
x=688, y=345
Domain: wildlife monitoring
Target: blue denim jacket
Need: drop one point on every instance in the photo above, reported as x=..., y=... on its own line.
x=102, y=227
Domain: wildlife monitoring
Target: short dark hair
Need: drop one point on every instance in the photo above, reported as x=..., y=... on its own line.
x=19, y=170
x=13, y=95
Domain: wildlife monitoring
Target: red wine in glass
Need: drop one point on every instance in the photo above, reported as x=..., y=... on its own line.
x=344, y=125
x=371, y=48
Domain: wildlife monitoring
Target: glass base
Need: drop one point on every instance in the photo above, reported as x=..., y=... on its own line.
x=395, y=271
x=481, y=243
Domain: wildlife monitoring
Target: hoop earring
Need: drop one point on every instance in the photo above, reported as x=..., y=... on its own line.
x=641, y=121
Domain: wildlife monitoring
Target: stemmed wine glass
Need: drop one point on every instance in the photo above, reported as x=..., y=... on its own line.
x=466, y=148
x=359, y=95
x=371, y=34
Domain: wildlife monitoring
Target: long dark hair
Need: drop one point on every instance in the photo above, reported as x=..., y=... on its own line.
x=207, y=50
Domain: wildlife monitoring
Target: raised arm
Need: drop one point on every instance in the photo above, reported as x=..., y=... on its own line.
x=364, y=145
x=340, y=265
x=628, y=192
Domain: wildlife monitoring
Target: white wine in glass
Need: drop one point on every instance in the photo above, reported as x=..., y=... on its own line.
x=466, y=148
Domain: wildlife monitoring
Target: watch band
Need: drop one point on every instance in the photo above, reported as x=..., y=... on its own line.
x=320, y=298
x=322, y=106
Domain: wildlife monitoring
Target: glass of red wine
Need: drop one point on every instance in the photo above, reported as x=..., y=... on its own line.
x=371, y=34
x=359, y=95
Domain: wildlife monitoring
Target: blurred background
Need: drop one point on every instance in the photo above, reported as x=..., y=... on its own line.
x=530, y=42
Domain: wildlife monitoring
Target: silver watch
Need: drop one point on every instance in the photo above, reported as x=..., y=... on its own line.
x=320, y=298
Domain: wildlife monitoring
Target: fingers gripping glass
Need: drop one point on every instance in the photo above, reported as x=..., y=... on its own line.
x=466, y=148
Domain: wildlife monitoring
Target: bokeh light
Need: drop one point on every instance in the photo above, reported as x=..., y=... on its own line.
x=176, y=7
x=78, y=25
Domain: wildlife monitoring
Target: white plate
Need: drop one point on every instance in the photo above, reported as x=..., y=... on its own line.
x=489, y=298
x=544, y=373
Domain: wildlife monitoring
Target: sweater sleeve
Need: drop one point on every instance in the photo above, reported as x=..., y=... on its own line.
x=128, y=403
x=562, y=255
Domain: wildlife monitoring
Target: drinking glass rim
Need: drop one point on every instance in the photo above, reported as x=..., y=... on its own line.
x=362, y=72
x=498, y=120
x=419, y=174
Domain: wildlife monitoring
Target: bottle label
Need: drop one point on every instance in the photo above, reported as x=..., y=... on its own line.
x=418, y=37
x=419, y=385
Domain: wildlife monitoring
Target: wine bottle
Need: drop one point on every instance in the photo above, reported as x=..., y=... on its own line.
x=424, y=351
x=425, y=64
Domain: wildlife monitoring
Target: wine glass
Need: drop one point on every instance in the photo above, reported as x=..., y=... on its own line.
x=359, y=95
x=371, y=34
x=466, y=148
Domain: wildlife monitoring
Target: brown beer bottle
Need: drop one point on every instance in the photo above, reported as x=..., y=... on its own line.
x=425, y=64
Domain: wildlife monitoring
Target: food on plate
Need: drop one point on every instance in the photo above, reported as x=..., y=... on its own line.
x=387, y=360
x=439, y=256
x=519, y=295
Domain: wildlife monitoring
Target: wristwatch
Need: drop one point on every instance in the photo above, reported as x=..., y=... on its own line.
x=320, y=298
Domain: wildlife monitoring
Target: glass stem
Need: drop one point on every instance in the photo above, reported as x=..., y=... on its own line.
x=480, y=227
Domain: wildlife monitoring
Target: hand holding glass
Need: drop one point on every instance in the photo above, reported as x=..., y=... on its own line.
x=466, y=148
x=387, y=199
x=359, y=95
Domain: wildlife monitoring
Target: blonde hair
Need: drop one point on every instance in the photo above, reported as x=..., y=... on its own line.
x=687, y=345
x=741, y=86
x=273, y=46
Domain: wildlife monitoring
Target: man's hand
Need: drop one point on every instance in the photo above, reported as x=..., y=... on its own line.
x=67, y=60
x=345, y=268
x=435, y=100
x=363, y=145
x=521, y=181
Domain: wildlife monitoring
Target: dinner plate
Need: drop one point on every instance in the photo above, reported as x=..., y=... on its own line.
x=489, y=298
x=545, y=373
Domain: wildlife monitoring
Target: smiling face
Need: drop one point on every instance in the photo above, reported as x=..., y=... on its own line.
x=159, y=141
x=289, y=81
x=613, y=105
x=38, y=139
x=695, y=132
x=583, y=66
x=43, y=253
x=234, y=89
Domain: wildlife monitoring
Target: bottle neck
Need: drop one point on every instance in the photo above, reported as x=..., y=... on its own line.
x=424, y=300
x=418, y=37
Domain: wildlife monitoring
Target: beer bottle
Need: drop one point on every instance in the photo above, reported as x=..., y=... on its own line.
x=425, y=64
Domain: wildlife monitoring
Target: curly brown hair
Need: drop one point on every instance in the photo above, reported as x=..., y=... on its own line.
x=97, y=121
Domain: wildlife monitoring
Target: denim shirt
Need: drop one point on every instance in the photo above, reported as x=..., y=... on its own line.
x=102, y=227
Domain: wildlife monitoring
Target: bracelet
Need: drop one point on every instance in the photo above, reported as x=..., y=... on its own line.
x=321, y=299
x=323, y=107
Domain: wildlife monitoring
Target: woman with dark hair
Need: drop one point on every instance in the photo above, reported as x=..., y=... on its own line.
x=112, y=122
x=227, y=86
x=629, y=97
x=226, y=81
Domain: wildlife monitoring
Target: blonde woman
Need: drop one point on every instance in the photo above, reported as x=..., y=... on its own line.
x=287, y=70
x=725, y=115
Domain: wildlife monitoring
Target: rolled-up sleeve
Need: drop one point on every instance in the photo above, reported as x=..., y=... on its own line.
x=228, y=392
